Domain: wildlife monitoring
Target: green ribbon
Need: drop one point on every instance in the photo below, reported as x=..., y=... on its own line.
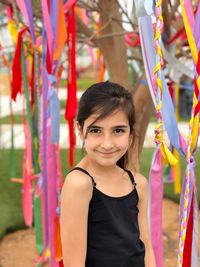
x=166, y=173
x=33, y=125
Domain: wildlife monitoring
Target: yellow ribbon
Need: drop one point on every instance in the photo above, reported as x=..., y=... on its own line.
x=194, y=51
x=13, y=31
x=195, y=132
x=189, y=33
x=167, y=155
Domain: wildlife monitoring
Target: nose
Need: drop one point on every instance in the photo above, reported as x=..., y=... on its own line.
x=107, y=143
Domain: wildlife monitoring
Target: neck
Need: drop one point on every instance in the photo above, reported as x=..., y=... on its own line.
x=99, y=170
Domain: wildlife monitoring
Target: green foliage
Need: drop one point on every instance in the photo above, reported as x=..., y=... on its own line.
x=82, y=83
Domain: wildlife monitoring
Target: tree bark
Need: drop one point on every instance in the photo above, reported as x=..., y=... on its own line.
x=143, y=110
x=114, y=48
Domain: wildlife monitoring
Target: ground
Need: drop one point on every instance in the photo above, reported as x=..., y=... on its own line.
x=18, y=249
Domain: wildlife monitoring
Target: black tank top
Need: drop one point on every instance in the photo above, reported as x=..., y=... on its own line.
x=113, y=232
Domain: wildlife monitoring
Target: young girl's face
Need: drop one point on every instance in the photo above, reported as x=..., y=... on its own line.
x=108, y=139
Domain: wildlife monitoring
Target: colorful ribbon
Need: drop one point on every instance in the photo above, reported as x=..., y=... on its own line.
x=71, y=104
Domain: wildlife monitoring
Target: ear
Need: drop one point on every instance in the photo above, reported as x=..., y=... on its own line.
x=80, y=131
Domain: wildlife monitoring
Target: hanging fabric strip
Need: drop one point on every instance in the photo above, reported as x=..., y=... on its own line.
x=188, y=235
x=28, y=168
x=196, y=27
x=37, y=132
x=195, y=250
x=186, y=223
x=61, y=32
x=187, y=252
x=156, y=196
x=28, y=6
x=177, y=174
x=38, y=225
x=52, y=193
x=54, y=17
x=48, y=26
x=27, y=173
x=11, y=24
x=146, y=35
x=44, y=139
x=68, y=4
x=57, y=240
x=71, y=104
x=22, y=7
x=16, y=67
x=54, y=106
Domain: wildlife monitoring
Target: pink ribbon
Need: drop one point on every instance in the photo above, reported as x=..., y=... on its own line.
x=156, y=197
x=48, y=26
x=68, y=4
x=22, y=8
x=27, y=177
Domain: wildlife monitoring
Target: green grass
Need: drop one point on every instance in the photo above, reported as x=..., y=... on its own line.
x=145, y=160
x=17, y=119
x=10, y=193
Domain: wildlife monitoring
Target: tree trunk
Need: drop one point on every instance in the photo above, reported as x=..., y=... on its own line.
x=143, y=110
x=113, y=48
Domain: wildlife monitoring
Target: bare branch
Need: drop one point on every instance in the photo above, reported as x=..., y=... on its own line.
x=166, y=17
x=7, y=2
x=127, y=16
x=86, y=6
x=174, y=9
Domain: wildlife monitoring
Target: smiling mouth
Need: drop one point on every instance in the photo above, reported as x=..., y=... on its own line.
x=106, y=153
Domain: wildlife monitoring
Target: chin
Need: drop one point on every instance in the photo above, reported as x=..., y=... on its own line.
x=106, y=162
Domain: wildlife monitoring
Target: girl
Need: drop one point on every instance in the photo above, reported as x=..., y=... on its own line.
x=104, y=205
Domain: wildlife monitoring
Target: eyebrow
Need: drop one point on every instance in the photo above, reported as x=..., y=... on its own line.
x=98, y=127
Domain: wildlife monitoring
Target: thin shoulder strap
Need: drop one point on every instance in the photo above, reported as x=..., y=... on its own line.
x=86, y=172
x=131, y=177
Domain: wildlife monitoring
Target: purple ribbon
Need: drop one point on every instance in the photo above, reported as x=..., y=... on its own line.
x=30, y=19
x=44, y=136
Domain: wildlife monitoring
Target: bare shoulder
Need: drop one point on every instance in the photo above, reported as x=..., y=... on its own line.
x=140, y=179
x=77, y=182
x=141, y=184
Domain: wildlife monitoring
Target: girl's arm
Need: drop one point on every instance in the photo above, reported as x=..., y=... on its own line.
x=75, y=198
x=142, y=187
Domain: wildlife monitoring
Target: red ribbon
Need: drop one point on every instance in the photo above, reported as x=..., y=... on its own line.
x=176, y=35
x=32, y=83
x=187, y=252
x=16, y=67
x=71, y=104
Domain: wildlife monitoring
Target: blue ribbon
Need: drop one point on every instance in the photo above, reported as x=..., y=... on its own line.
x=167, y=105
x=54, y=109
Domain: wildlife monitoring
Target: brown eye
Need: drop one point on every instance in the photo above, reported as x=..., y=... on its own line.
x=119, y=131
x=94, y=130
